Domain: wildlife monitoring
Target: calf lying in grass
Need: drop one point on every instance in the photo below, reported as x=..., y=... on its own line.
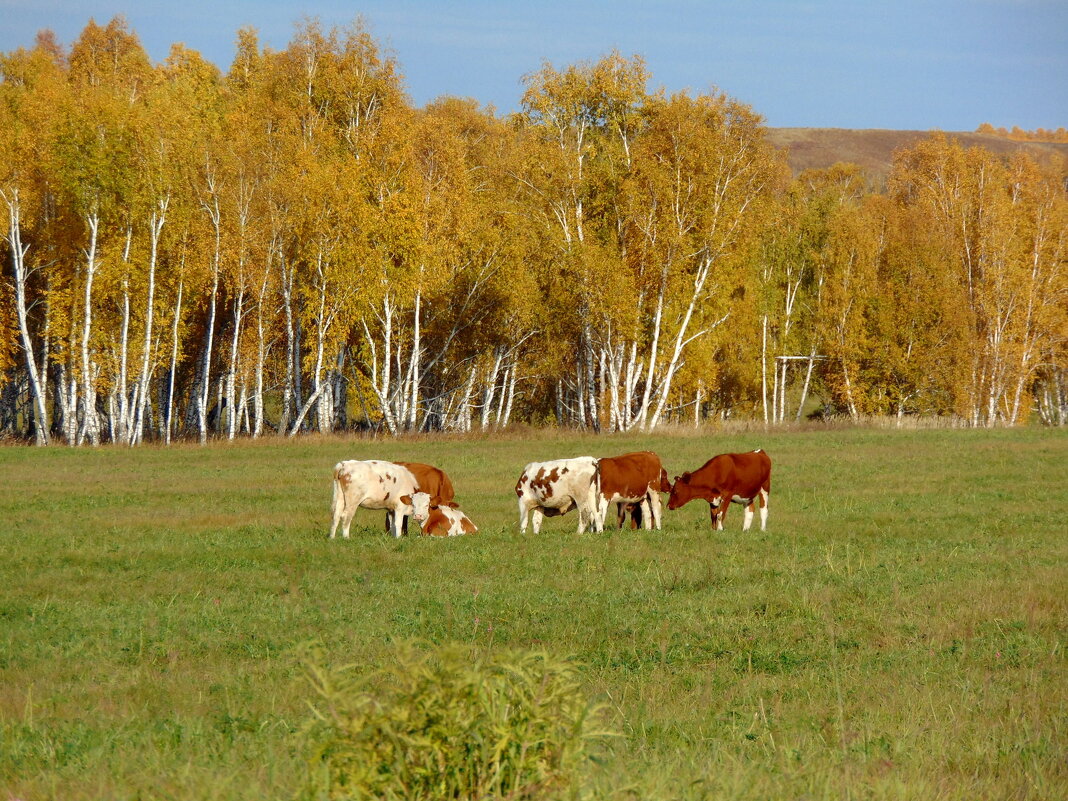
x=438, y=518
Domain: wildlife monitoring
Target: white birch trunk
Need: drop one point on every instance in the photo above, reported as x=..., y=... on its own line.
x=764, y=367
x=654, y=349
x=174, y=363
x=159, y=217
x=489, y=390
x=413, y=406
x=231, y=373
x=120, y=419
x=202, y=398
x=511, y=397
x=261, y=357
x=664, y=389
x=89, y=428
x=292, y=356
x=18, y=261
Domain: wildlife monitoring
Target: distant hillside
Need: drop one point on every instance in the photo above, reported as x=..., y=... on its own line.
x=874, y=149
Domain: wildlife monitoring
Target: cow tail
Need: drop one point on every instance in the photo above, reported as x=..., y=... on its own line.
x=337, y=488
x=595, y=511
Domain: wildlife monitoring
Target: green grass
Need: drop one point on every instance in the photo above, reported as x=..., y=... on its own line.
x=898, y=632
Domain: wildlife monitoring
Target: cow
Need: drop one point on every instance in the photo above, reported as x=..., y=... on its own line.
x=439, y=518
x=371, y=484
x=727, y=478
x=633, y=478
x=555, y=488
x=428, y=479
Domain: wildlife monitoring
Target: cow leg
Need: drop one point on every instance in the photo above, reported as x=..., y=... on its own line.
x=656, y=509
x=389, y=519
x=621, y=514
x=717, y=513
x=748, y=521
x=398, y=517
x=724, y=505
x=595, y=515
x=535, y=519
x=346, y=518
x=764, y=497
x=523, y=512
x=646, y=513
x=652, y=509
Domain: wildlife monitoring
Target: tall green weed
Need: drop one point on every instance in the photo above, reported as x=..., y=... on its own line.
x=448, y=723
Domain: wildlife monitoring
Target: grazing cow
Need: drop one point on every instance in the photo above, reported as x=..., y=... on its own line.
x=439, y=518
x=428, y=479
x=373, y=485
x=729, y=477
x=555, y=488
x=633, y=478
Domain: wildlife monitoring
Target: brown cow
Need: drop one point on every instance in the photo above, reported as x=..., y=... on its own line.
x=727, y=478
x=636, y=478
x=429, y=479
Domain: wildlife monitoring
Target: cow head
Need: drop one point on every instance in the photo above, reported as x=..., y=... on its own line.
x=681, y=493
x=665, y=485
x=420, y=503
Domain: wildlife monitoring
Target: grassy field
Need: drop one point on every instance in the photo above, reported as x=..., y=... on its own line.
x=898, y=632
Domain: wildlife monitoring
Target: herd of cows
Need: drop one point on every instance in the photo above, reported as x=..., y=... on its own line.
x=632, y=481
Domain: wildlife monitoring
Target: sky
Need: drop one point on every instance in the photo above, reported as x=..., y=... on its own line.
x=896, y=64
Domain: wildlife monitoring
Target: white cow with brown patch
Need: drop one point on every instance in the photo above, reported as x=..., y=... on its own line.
x=554, y=488
x=372, y=484
x=439, y=518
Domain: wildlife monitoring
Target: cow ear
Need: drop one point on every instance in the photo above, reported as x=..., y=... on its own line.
x=406, y=499
x=453, y=505
x=435, y=501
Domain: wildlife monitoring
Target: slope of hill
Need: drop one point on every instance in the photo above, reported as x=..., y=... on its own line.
x=873, y=150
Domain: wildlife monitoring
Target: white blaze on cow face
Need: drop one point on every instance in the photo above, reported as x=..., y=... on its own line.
x=420, y=506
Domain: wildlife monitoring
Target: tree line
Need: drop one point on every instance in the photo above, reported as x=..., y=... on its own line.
x=293, y=246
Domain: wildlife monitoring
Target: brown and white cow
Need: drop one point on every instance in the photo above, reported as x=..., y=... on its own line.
x=429, y=479
x=438, y=518
x=633, y=478
x=371, y=484
x=554, y=488
x=729, y=477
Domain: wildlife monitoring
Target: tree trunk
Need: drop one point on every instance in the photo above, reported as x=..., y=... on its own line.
x=18, y=260
x=174, y=363
x=159, y=217
x=90, y=427
x=205, y=388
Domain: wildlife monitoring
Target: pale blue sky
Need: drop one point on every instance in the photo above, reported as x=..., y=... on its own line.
x=948, y=64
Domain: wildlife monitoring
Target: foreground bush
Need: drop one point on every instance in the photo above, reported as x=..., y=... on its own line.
x=444, y=724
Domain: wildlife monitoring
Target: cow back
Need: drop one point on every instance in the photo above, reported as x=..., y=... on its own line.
x=737, y=473
x=381, y=484
x=431, y=480
x=548, y=482
x=630, y=475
